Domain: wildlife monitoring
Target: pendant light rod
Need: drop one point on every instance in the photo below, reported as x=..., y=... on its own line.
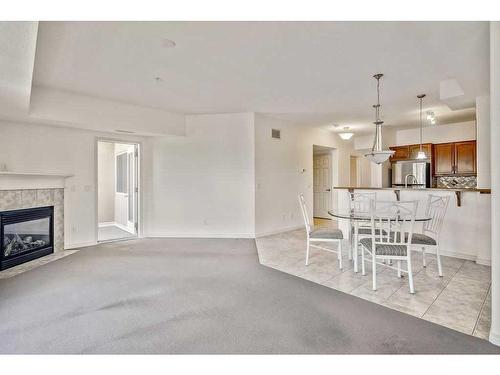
x=376, y=141
x=421, y=153
x=377, y=155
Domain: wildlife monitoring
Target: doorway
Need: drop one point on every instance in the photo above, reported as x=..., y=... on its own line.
x=324, y=158
x=117, y=190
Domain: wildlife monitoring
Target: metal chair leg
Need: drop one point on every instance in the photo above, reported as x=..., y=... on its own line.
x=410, y=275
x=307, y=252
x=438, y=256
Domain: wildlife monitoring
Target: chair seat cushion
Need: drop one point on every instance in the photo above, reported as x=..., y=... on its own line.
x=369, y=231
x=332, y=234
x=421, y=239
x=385, y=249
x=418, y=239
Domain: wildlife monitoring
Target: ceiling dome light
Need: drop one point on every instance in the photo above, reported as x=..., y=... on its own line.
x=346, y=135
x=377, y=155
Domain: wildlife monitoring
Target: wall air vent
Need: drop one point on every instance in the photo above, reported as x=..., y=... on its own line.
x=276, y=133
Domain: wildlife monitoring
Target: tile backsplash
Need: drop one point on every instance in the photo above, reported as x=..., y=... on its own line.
x=462, y=182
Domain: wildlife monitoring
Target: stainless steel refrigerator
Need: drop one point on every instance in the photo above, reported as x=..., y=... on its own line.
x=416, y=174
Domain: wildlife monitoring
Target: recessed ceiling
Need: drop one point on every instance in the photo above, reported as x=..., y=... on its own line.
x=311, y=72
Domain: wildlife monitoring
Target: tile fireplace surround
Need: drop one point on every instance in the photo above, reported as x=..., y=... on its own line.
x=30, y=198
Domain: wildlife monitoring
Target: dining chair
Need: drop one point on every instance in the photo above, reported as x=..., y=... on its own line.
x=431, y=229
x=321, y=235
x=358, y=202
x=391, y=234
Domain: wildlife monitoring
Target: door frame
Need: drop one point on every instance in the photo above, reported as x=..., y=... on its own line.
x=334, y=173
x=139, y=178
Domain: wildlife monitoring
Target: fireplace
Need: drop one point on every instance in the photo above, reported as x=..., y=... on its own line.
x=26, y=235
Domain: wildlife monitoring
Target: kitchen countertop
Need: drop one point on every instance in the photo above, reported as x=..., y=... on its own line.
x=476, y=190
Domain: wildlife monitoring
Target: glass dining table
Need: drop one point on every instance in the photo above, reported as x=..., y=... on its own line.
x=356, y=218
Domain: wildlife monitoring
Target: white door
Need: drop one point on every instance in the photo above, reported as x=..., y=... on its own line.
x=322, y=185
x=126, y=188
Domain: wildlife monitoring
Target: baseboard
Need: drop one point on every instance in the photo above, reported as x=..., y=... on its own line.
x=484, y=262
x=456, y=254
x=495, y=338
x=278, y=231
x=78, y=245
x=106, y=224
x=198, y=235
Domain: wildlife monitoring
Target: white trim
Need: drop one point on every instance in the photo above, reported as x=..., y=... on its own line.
x=456, y=254
x=199, y=235
x=78, y=245
x=495, y=338
x=106, y=224
x=139, y=175
x=483, y=262
x=278, y=231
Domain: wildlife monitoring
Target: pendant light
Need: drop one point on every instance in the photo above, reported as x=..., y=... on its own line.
x=421, y=154
x=377, y=155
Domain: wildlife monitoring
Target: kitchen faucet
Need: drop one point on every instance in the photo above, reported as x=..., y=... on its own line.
x=406, y=179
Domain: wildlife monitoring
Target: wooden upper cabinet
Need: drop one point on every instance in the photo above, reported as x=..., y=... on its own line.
x=444, y=159
x=455, y=158
x=402, y=152
x=426, y=147
x=465, y=157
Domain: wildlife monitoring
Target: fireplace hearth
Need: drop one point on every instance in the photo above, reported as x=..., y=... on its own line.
x=25, y=235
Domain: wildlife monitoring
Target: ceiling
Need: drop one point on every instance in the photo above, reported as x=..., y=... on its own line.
x=316, y=73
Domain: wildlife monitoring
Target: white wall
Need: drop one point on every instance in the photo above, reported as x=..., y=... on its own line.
x=40, y=148
x=495, y=180
x=463, y=131
x=87, y=112
x=202, y=185
x=278, y=171
x=106, y=178
x=483, y=142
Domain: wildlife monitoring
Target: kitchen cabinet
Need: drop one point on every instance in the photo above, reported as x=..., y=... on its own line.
x=414, y=149
x=409, y=152
x=401, y=152
x=457, y=158
x=465, y=157
x=444, y=159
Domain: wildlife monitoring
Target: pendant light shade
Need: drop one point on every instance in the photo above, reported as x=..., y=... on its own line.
x=421, y=154
x=377, y=155
x=346, y=135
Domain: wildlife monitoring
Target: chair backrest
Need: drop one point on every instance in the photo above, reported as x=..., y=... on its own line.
x=392, y=222
x=360, y=202
x=303, y=208
x=436, y=210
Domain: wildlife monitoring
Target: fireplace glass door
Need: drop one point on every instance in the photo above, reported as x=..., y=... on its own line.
x=26, y=236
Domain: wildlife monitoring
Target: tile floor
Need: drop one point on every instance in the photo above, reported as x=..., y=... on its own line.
x=460, y=300
x=16, y=270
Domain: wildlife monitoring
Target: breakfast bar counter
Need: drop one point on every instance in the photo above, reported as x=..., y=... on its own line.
x=466, y=231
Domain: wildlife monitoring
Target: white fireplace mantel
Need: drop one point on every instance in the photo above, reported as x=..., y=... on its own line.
x=27, y=180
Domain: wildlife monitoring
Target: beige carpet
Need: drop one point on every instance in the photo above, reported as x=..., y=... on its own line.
x=199, y=296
